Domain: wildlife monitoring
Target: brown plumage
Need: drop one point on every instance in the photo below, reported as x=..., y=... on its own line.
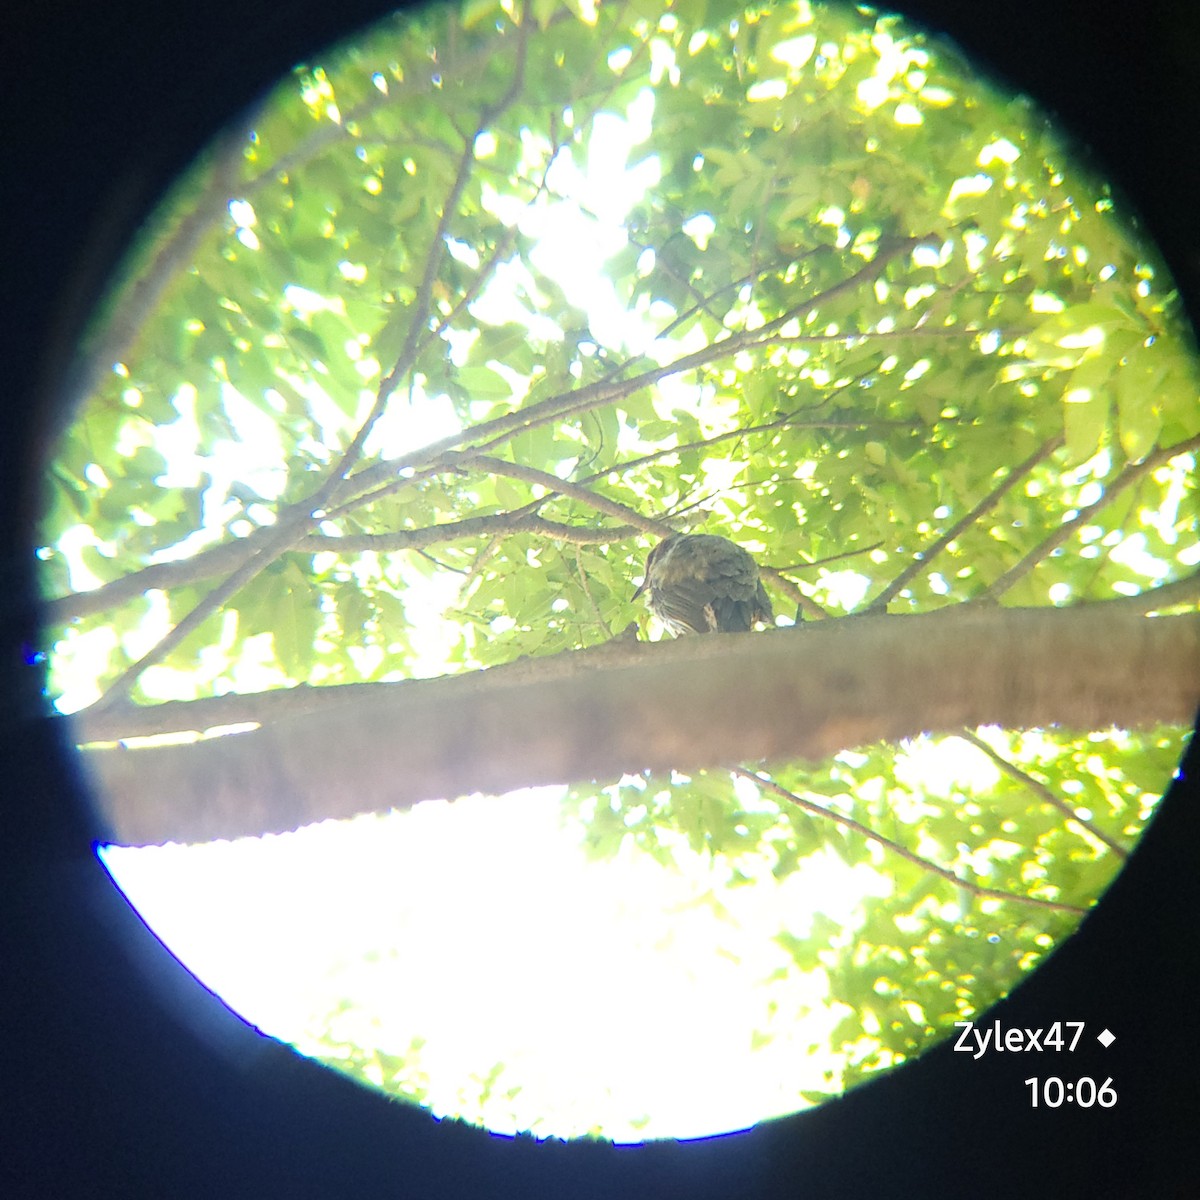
x=702, y=583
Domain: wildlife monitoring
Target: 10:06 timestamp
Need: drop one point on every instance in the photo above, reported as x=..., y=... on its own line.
x=1053, y=1092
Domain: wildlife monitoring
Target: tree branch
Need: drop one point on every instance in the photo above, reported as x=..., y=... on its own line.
x=230, y=556
x=433, y=258
x=300, y=518
x=606, y=391
x=227, y=555
x=278, y=538
x=1158, y=599
x=120, y=333
x=611, y=508
x=893, y=589
x=1040, y=790
x=627, y=706
x=487, y=526
x=819, y=810
x=1112, y=490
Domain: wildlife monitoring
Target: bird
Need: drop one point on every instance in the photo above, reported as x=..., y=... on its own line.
x=703, y=583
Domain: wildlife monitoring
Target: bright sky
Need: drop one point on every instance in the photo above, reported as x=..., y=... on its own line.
x=613, y=991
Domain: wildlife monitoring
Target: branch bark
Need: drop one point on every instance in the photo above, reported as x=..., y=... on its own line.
x=625, y=707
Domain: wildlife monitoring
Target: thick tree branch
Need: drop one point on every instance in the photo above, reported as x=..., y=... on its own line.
x=216, y=560
x=127, y=720
x=624, y=707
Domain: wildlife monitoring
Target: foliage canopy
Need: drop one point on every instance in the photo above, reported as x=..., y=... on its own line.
x=504, y=293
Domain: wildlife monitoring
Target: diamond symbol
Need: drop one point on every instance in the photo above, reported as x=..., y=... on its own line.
x=1106, y=1039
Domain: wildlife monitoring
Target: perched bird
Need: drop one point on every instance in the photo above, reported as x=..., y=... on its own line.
x=702, y=583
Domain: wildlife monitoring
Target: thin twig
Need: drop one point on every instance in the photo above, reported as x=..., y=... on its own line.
x=587, y=591
x=1040, y=790
x=531, y=475
x=858, y=337
x=491, y=525
x=893, y=589
x=1112, y=489
x=477, y=565
x=902, y=851
x=300, y=518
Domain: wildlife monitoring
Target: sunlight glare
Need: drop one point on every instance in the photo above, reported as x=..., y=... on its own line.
x=380, y=930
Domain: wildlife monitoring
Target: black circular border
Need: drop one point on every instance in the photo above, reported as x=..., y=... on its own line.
x=122, y=1077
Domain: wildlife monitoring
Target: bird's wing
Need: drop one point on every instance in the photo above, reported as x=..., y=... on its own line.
x=686, y=605
x=762, y=603
x=739, y=597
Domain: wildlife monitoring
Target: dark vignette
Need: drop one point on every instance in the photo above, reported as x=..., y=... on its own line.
x=122, y=1077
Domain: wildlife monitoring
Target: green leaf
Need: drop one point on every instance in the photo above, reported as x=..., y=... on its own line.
x=1084, y=424
x=1139, y=418
x=482, y=383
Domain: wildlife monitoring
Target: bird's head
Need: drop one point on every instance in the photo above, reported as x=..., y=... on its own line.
x=656, y=556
